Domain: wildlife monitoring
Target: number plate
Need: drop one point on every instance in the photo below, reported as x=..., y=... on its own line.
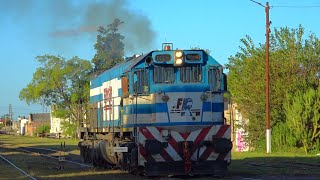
x=120, y=149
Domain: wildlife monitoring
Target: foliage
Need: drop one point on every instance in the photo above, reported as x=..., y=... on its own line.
x=5, y=121
x=246, y=74
x=68, y=129
x=303, y=117
x=109, y=47
x=63, y=84
x=44, y=128
x=294, y=63
x=283, y=138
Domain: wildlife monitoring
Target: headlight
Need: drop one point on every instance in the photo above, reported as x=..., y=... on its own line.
x=178, y=61
x=178, y=54
x=178, y=58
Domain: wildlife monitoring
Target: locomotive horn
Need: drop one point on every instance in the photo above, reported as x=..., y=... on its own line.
x=148, y=60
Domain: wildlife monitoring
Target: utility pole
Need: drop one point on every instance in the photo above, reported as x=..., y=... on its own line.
x=5, y=122
x=268, y=129
x=10, y=114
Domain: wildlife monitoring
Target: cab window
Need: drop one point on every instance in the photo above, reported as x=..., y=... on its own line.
x=141, y=81
x=214, y=78
x=163, y=74
x=191, y=74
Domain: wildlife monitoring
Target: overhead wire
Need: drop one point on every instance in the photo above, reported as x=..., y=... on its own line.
x=298, y=6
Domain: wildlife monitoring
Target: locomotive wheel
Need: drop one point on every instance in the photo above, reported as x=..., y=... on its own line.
x=87, y=155
x=141, y=171
x=93, y=158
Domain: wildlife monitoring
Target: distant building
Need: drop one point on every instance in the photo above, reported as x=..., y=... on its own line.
x=37, y=120
x=23, y=126
x=55, y=123
x=236, y=120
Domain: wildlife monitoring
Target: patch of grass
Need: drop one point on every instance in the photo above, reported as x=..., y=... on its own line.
x=10, y=141
x=31, y=141
x=286, y=163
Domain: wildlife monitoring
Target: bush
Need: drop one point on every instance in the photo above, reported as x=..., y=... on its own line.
x=303, y=118
x=44, y=128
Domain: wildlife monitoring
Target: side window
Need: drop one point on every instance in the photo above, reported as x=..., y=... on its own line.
x=191, y=74
x=141, y=81
x=163, y=75
x=214, y=78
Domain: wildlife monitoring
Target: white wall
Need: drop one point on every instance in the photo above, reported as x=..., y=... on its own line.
x=23, y=126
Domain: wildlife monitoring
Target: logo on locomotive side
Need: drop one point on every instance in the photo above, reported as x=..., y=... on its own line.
x=107, y=96
x=184, y=107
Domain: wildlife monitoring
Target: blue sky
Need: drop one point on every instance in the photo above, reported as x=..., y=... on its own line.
x=27, y=28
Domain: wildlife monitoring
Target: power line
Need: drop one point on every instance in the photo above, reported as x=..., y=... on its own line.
x=301, y=6
x=17, y=108
x=257, y=3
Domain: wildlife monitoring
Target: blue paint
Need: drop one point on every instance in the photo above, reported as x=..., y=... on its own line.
x=110, y=123
x=96, y=98
x=190, y=87
x=163, y=108
x=119, y=92
x=173, y=124
x=145, y=108
x=216, y=107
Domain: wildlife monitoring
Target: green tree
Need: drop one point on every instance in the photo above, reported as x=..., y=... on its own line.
x=246, y=84
x=294, y=66
x=109, y=47
x=69, y=129
x=63, y=84
x=303, y=116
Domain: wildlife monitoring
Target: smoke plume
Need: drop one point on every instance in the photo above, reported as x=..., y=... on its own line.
x=67, y=23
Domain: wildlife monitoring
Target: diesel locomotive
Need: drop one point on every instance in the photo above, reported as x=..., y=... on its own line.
x=161, y=113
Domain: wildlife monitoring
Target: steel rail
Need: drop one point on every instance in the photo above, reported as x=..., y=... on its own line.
x=56, y=158
x=29, y=176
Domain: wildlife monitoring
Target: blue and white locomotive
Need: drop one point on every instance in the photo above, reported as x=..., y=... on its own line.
x=161, y=113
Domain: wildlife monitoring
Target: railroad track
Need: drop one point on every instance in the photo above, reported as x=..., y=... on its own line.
x=63, y=159
x=46, y=152
x=17, y=168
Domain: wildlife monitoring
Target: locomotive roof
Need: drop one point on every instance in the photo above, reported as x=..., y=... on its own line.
x=116, y=71
x=120, y=69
